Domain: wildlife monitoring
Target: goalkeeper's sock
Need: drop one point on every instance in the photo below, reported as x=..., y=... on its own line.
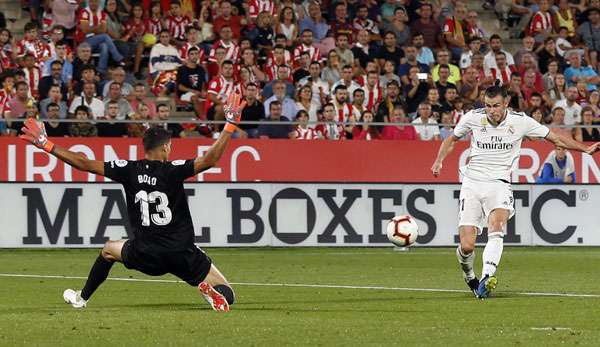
x=98, y=274
x=492, y=254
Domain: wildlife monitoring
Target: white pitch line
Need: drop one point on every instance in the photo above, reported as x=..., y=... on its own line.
x=300, y=285
x=550, y=328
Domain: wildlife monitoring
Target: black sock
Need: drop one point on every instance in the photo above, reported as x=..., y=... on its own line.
x=227, y=292
x=97, y=275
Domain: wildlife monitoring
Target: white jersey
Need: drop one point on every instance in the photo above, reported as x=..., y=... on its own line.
x=495, y=149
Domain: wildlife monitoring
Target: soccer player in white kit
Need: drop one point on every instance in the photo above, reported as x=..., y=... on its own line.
x=486, y=194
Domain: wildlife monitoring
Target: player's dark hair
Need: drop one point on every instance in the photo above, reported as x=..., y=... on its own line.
x=155, y=137
x=495, y=90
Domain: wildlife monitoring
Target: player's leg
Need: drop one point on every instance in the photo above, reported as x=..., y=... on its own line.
x=469, y=220
x=465, y=253
x=218, y=282
x=498, y=207
x=495, y=244
x=110, y=253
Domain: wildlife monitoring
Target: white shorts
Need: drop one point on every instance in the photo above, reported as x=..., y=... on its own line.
x=479, y=198
x=187, y=97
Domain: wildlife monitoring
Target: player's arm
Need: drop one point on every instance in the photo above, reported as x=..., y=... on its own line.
x=445, y=148
x=569, y=143
x=35, y=133
x=233, y=109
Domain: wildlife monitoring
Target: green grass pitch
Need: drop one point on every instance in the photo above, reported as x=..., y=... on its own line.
x=135, y=313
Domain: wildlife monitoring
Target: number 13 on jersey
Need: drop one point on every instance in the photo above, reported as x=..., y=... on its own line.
x=163, y=215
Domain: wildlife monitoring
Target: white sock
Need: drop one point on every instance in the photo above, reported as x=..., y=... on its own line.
x=466, y=263
x=492, y=253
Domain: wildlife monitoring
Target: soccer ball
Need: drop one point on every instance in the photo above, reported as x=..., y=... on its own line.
x=402, y=231
x=149, y=39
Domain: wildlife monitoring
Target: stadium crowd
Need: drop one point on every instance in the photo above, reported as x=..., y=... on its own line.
x=324, y=65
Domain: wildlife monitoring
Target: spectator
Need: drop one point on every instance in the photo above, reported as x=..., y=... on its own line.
x=388, y=74
x=417, y=90
x=88, y=99
x=190, y=82
x=54, y=128
x=83, y=128
x=474, y=45
x=283, y=75
x=593, y=101
x=472, y=28
x=88, y=75
x=366, y=131
x=134, y=31
x=32, y=75
x=288, y=26
x=341, y=23
x=443, y=58
x=529, y=86
x=454, y=31
x=557, y=125
x=399, y=131
x=424, y=54
x=489, y=60
x=302, y=67
x=176, y=22
x=569, y=106
x=275, y=131
x=227, y=18
x=118, y=75
x=346, y=114
x=262, y=35
x=588, y=132
x=206, y=28
x=116, y=30
x=115, y=94
x=139, y=97
x=447, y=128
x=386, y=106
x=32, y=45
x=162, y=112
x=558, y=90
x=54, y=78
x=389, y=50
x=60, y=57
x=428, y=27
x=7, y=92
x=218, y=90
x=362, y=22
x=304, y=102
x=112, y=129
x=550, y=75
x=330, y=129
x=17, y=105
x=314, y=22
x=63, y=13
x=590, y=34
x=576, y=72
x=541, y=22
x=248, y=60
x=343, y=50
x=411, y=60
x=559, y=167
x=564, y=16
x=398, y=25
x=425, y=126
x=8, y=55
x=549, y=54
x=306, y=45
x=502, y=73
x=528, y=62
x=138, y=129
x=450, y=95
x=443, y=81
x=358, y=102
x=346, y=81
x=470, y=86
x=319, y=87
x=372, y=90
x=303, y=131
x=54, y=97
x=91, y=28
x=433, y=98
x=83, y=59
x=255, y=7
x=287, y=104
x=332, y=71
x=254, y=111
x=164, y=61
